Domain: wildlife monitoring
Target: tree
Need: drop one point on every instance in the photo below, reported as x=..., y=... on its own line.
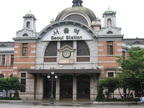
x=132, y=67
x=109, y=84
x=11, y=83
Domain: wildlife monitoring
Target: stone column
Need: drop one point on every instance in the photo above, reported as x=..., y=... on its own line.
x=74, y=89
x=29, y=89
x=58, y=89
x=93, y=88
x=39, y=89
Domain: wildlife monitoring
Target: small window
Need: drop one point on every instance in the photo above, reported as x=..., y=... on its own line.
x=25, y=34
x=3, y=45
x=109, y=22
x=3, y=60
x=110, y=74
x=23, y=75
x=12, y=59
x=25, y=49
x=28, y=25
x=110, y=47
x=124, y=54
x=109, y=32
x=1, y=76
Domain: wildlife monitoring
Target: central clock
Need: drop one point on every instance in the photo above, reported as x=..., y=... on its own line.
x=66, y=53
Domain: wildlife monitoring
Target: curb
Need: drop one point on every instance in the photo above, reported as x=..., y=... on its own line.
x=115, y=103
x=11, y=101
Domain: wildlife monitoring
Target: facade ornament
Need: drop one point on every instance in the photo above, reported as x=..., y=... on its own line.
x=77, y=2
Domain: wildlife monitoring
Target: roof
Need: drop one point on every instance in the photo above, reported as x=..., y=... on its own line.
x=131, y=41
x=29, y=15
x=6, y=44
x=79, y=9
x=109, y=11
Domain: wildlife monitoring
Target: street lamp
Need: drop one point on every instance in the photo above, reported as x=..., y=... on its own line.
x=52, y=76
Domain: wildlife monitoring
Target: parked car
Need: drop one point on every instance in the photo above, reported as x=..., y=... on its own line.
x=2, y=93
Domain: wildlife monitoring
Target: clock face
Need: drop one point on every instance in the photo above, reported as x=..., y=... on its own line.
x=66, y=53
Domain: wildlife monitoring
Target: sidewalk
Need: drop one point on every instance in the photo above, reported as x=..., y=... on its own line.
x=68, y=102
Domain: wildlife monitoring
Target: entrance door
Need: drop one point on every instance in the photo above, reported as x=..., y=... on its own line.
x=83, y=86
x=66, y=86
x=47, y=88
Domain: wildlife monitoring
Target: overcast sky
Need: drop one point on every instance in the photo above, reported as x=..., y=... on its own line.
x=130, y=14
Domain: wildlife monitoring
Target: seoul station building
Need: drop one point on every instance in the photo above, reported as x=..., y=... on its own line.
x=76, y=47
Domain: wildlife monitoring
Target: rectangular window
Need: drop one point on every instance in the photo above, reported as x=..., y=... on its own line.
x=25, y=49
x=110, y=74
x=23, y=82
x=12, y=59
x=23, y=75
x=124, y=54
x=23, y=85
x=110, y=47
x=3, y=60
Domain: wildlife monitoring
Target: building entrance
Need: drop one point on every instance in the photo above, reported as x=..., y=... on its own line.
x=83, y=87
x=66, y=86
x=47, y=88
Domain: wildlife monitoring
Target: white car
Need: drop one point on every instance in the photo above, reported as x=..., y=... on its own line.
x=2, y=93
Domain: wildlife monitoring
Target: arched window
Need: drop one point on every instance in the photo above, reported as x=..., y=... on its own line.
x=82, y=49
x=51, y=49
x=109, y=22
x=83, y=53
x=25, y=34
x=51, y=52
x=109, y=32
x=76, y=17
x=28, y=24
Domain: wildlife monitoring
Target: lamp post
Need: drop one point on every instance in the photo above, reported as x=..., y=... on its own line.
x=52, y=76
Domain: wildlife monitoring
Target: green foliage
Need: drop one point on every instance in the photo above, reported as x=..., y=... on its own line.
x=11, y=83
x=2, y=81
x=9, y=98
x=132, y=67
x=16, y=94
x=109, y=85
x=100, y=95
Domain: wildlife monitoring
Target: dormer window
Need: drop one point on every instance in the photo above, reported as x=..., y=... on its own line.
x=109, y=22
x=25, y=34
x=28, y=25
x=3, y=45
x=109, y=32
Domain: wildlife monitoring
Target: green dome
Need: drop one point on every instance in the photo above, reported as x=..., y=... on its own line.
x=79, y=9
x=29, y=15
x=109, y=11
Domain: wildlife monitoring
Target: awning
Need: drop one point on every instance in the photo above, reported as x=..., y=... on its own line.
x=46, y=71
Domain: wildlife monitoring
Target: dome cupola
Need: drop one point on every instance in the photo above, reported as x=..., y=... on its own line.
x=77, y=13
